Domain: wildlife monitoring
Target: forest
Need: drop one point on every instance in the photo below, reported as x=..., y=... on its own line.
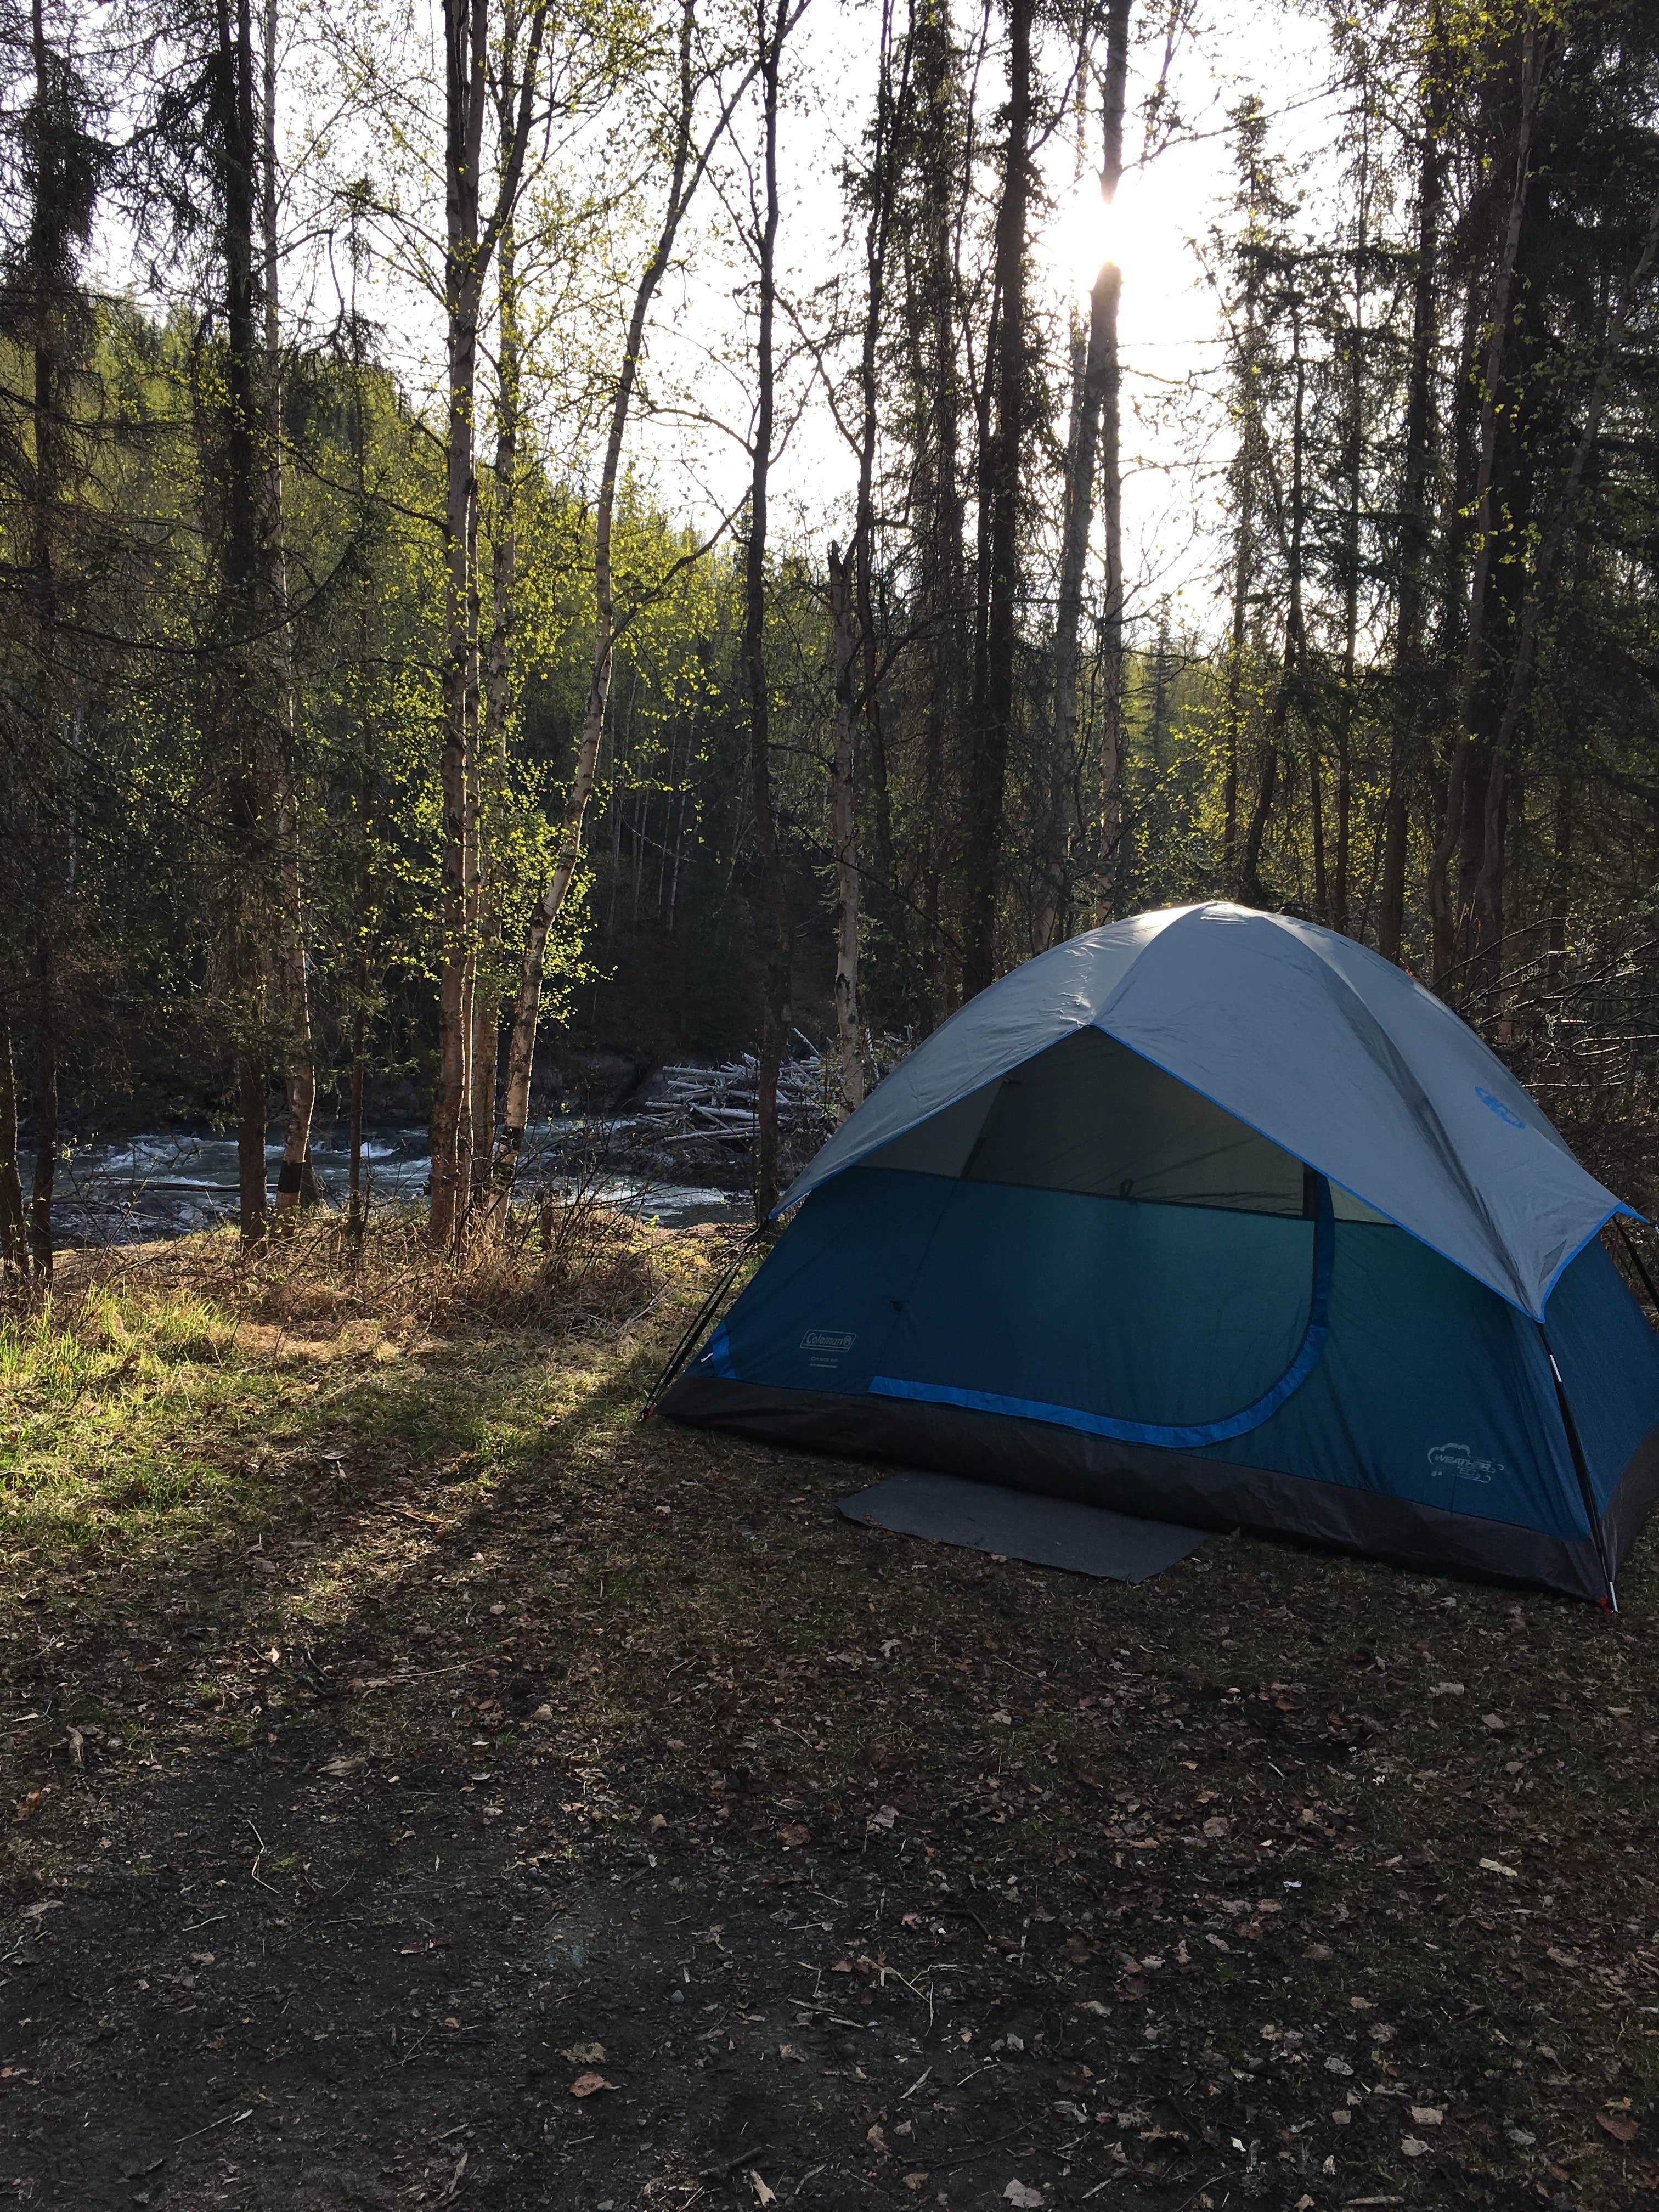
x=555, y=561
x=390, y=673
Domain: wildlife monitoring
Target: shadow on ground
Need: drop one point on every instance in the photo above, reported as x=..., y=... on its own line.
x=536, y=1809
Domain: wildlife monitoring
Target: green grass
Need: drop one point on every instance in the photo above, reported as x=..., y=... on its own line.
x=119, y=1418
x=147, y=1406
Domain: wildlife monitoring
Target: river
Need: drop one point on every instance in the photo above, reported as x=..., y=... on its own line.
x=167, y=1183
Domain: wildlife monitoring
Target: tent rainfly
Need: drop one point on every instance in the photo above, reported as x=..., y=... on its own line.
x=1216, y=1217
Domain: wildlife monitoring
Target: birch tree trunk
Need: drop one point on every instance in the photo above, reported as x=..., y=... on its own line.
x=241, y=676
x=1111, y=485
x=498, y=661
x=1443, y=904
x=48, y=227
x=1353, y=456
x=869, y=760
x=1098, y=429
x=849, y=1032
x=994, y=706
x=471, y=242
x=1251, y=889
x=771, y=906
x=464, y=26
x=943, y=644
x=46, y=1111
x=293, y=985
x=683, y=179
x=1411, y=701
x=1246, y=482
x=14, y=1246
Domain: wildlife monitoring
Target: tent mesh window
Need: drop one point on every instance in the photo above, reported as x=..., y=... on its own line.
x=1091, y=1116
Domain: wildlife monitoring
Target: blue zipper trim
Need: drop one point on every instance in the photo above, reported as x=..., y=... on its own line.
x=718, y=1354
x=1172, y=1437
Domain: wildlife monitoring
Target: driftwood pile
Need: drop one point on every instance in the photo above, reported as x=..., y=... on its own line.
x=688, y=1104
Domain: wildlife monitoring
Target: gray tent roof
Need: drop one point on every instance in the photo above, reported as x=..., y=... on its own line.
x=1321, y=1045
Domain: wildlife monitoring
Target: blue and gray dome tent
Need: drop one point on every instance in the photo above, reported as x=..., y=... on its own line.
x=1216, y=1217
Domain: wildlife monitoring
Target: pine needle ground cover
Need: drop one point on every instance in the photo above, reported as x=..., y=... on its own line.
x=425, y=1784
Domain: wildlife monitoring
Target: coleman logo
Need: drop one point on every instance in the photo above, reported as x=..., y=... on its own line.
x=828, y=1340
x=1457, y=1461
x=1497, y=1106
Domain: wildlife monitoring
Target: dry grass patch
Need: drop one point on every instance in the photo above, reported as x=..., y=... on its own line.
x=161, y=1391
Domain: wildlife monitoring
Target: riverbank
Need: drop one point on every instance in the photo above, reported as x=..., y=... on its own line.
x=399, y=1735
x=182, y=1180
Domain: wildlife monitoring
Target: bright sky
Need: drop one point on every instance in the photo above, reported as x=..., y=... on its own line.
x=1175, y=432
x=1175, y=441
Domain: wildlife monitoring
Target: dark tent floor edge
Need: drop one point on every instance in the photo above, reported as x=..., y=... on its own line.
x=1166, y=1485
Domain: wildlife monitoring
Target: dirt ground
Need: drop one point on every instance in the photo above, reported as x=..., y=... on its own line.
x=493, y=1801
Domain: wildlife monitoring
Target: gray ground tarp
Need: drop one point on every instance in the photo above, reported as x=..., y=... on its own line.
x=1018, y=1525
x=1329, y=1050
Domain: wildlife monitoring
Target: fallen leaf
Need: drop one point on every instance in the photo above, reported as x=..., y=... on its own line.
x=762, y=2194
x=1618, y=2125
x=1446, y=1690
x=77, y=1743
x=27, y=1808
x=589, y=2085
x=1338, y=2066
x=917, y=2180
x=1414, y=2146
x=884, y=1818
x=1497, y=1866
x=1022, y=2194
x=792, y=1836
x=41, y=1907
x=584, y=2054
x=542, y=1713
x=1428, y=2116
x=342, y=1764
x=1495, y=1721
x=656, y=1821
